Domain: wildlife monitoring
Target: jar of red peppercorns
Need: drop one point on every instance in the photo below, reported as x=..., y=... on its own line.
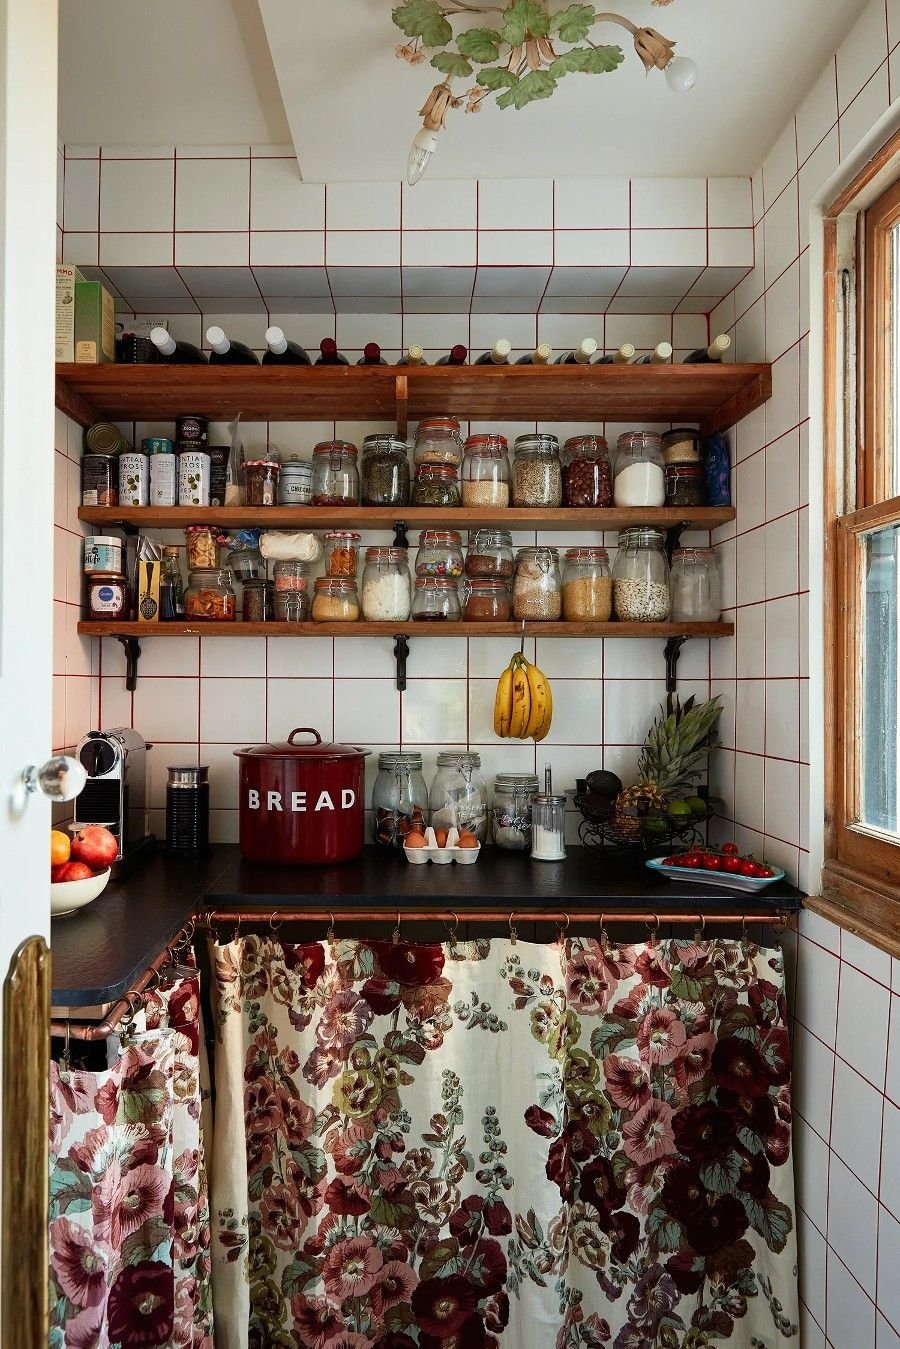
x=587, y=472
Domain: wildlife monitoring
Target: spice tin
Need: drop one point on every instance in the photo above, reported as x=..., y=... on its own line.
x=163, y=473
x=193, y=478
x=134, y=479
x=102, y=554
x=191, y=428
x=106, y=595
x=295, y=483
x=100, y=480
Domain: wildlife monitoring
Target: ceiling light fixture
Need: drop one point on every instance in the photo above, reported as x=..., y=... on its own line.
x=521, y=59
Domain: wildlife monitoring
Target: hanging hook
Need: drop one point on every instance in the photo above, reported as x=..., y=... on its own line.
x=522, y=643
x=396, y=937
x=562, y=928
x=452, y=930
x=653, y=932
x=745, y=940
x=185, y=936
x=330, y=935
x=603, y=938
x=513, y=931
x=237, y=930
x=275, y=922
x=700, y=930
x=64, y=1061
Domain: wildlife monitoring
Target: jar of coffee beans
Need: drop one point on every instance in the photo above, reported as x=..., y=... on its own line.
x=587, y=472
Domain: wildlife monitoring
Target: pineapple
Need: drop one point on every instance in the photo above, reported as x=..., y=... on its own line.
x=673, y=757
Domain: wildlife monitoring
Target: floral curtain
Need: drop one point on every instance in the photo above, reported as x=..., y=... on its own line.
x=129, y=1211
x=494, y=1144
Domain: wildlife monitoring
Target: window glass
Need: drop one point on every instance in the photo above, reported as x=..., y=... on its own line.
x=878, y=687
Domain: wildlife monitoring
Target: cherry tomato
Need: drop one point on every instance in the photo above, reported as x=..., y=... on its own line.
x=730, y=849
x=748, y=868
x=765, y=871
x=712, y=863
x=732, y=864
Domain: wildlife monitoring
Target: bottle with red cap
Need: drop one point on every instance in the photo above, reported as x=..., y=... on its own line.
x=371, y=355
x=457, y=355
x=329, y=354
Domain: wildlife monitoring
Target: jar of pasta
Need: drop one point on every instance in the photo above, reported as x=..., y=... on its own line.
x=485, y=472
x=536, y=589
x=341, y=552
x=335, y=601
x=438, y=441
x=587, y=586
x=210, y=595
x=335, y=476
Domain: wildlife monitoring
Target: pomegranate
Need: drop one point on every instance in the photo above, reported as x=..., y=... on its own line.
x=95, y=846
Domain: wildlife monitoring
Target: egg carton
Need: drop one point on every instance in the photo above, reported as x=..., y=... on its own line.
x=451, y=852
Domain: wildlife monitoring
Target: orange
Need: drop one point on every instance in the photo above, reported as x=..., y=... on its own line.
x=60, y=847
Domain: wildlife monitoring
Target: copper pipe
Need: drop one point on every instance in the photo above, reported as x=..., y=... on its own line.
x=306, y=915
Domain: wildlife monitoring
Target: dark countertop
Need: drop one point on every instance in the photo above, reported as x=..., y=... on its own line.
x=99, y=952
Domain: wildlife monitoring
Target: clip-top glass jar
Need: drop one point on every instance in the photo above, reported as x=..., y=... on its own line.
x=490, y=553
x=458, y=794
x=438, y=441
x=385, y=471
x=485, y=472
x=511, y=810
x=685, y=485
x=587, y=586
x=335, y=600
x=202, y=547
x=639, y=479
x=341, y=552
x=641, y=577
x=335, y=480
x=696, y=585
x=436, y=485
x=537, y=474
x=399, y=799
x=440, y=553
x=486, y=600
x=210, y=595
x=436, y=600
x=587, y=472
x=536, y=589
x=386, y=586
x=261, y=479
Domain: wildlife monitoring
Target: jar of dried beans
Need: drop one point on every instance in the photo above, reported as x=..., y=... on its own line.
x=641, y=577
x=537, y=474
x=536, y=589
x=341, y=552
x=291, y=576
x=438, y=441
x=490, y=553
x=485, y=472
x=587, y=472
x=587, y=586
x=335, y=479
x=210, y=595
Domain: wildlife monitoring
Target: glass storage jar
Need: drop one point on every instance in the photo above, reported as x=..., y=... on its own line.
x=511, y=810
x=436, y=485
x=439, y=553
x=537, y=474
x=684, y=485
x=485, y=472
x=490, y=553
x=639, y=479
x=458, y=795
x=587, y=586
x=641, y=577
x=438, y=441
x=681, y=445
x=436, y=600
x=291, y=606
x=386, y=586
x=341, y=552
x=246, y=564
x=335, y=479
x=295, y=483
x=335, y=600
x=399, y=799
x=257, y=601
x=385, y=471
x=261, y=481
x=202, y=547
x=291, y=576
x=487, y=601
x=209, y=595
x=536, y=589
x=696, y=585
x=587, y=472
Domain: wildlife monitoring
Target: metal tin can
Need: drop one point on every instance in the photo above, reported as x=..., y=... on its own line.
x=100, y=480
x=193, y=478
x=102, y=554
x=105, y=438
x=295, y=483
x=191, y=428
x=163, y=473
x=134, y=479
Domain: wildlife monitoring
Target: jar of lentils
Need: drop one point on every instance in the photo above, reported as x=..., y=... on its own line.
x=436, y=600
x=537, y=474
x=438, y=441
x=490, y=553
x=386, y=586
x=684, y=485
x=485, y=472
x=291, y=577
x=587, y=472
x=385, y=471
x=536, y=589
x=587, y=586
x=696, y=585
x=440, y=553
x=641, y=577
x=487, y=601
x=436, y=485
x=335, y=479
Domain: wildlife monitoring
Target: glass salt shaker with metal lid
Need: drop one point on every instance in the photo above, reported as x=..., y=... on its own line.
x=641, y=577
x=438, y=441
x=537, y=589
x=537, y=473
x=458, y=795
x=548, y=823
x=399, y=798
x=696, y=585
x=639, y=479
x=385, y=471
x=511, y=810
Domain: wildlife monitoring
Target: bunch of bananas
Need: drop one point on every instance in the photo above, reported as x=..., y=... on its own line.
x=523, y=706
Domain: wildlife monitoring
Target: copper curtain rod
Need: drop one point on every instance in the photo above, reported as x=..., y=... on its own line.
x=275, y=917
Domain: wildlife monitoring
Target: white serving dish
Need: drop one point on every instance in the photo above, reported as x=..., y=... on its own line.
x=726, y=879
x=69, y=896
x=442, y=856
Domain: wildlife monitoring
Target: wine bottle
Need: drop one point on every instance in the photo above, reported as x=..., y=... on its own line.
x=414, y=355
x=498, y=354
x=540, y=356
x=660, y=355
x=623, y=355
x=581, y=355
x=329, y=354
x=371, y=355
x=175, y=353
x=279, y=351
x=457, y=355
x=714, y=352
x=226, y=352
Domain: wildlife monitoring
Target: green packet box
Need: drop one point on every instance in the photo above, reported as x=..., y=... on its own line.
x=95, y=324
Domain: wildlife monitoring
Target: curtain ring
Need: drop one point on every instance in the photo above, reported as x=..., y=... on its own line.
x=562, y=928
x=603, y=933
x=513, y=933
x=330, y=934
x=275, y=922
x=185, y=936
x=700, y=931
x=744, y=937
x=396, y=937
x=452, y=931
x=653, y=932
x=237, y=930
x=64, y=1061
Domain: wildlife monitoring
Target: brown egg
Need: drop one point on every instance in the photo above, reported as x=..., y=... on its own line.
x=440, y=836
x=415, y=841
x=468, y=841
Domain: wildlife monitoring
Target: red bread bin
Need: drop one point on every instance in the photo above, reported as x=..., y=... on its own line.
x=302, y=805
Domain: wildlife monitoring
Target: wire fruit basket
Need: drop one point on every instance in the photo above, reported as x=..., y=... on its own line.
x=646, y=829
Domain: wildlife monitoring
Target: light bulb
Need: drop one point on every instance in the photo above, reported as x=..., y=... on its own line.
x=420, y=152
x=681, y=74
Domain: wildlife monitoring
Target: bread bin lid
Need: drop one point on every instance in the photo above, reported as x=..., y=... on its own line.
x=318, y=751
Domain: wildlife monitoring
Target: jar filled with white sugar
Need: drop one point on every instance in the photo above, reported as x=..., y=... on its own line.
x=639, y=476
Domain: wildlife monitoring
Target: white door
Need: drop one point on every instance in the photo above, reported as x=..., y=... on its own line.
x=28, y=75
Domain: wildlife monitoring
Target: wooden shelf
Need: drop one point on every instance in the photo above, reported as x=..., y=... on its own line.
x=361, y=629
x=716, y=396
x=415, y=517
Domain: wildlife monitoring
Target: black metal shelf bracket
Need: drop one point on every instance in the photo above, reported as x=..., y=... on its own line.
x=673, y=539
x=132, y=648
x=673, y=651
x=400, y=539
x=401, y=652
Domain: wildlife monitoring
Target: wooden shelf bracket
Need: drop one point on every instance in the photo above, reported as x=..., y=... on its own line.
x=132, y=648
x=401, y=653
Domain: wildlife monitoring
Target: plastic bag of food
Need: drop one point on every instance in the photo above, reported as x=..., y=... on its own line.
x=290, y=546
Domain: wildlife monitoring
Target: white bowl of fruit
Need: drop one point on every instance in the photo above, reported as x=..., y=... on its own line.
x=80, y=867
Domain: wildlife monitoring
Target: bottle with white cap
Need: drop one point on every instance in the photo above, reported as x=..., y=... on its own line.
x=660, y=355
x=714, y=352
x=583, y=354
x=622, y=355
x=171, y=352
x=226, y=352
x=540, y=356
x=498, y=354
x=280, y=351
x=414, y=355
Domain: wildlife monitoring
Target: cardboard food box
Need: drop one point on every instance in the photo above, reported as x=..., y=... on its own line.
x=66, y=277
x=148, y=591
x=95, y=324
